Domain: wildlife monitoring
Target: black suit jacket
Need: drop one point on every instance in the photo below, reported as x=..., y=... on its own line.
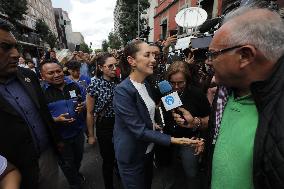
x=16, y=142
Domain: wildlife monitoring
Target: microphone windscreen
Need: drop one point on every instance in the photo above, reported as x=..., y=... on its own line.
x=165, y=87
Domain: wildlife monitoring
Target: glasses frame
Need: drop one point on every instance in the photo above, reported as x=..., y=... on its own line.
x=179, y=83
x=111, y=66
x=211, y=55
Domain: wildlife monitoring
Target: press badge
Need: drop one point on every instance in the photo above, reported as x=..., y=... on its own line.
x=73, y=94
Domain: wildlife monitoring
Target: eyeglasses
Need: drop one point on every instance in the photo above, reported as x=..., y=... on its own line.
x=8, y=46
x=179, y=83
x=213, y=54
x=111, y=66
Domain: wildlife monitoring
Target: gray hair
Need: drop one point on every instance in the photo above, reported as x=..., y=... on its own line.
x=266, y=33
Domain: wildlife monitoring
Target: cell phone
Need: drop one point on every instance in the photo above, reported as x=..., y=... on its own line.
x=173, y=32
x=77, y=47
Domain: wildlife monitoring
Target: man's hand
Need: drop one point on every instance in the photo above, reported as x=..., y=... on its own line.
x=169, y=41
x=80, y=107
x=62, y=118
x=187, y=116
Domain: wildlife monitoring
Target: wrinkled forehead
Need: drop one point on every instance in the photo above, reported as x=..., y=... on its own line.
x=221, y=37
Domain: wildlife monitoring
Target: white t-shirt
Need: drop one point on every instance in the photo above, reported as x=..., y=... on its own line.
x=150, y=104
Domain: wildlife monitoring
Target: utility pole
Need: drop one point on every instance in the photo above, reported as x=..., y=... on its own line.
x=138, y=17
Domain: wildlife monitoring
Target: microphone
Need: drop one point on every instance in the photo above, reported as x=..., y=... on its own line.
x=159, y=117
x=170, y=99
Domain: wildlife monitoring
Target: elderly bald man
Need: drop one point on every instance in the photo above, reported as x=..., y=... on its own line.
x=246, y=145
x=246, y=128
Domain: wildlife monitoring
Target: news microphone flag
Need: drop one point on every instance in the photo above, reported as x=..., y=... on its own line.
x=170, y=99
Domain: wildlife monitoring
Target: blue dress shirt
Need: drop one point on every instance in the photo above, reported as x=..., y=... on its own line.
x=19, y=99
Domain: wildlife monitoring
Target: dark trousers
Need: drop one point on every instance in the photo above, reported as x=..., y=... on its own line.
x=148, y=169
x=137, y=175
x=70, y=160
x=104, y=130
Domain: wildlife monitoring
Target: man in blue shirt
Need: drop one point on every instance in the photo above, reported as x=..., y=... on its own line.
x=27, y=133
x=65, y=102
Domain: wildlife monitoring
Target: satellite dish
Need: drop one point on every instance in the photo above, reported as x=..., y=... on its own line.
x=191, y=17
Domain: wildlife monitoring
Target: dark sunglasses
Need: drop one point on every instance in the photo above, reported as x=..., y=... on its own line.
x=179, y=83
x=213, y=54
x=8, y=46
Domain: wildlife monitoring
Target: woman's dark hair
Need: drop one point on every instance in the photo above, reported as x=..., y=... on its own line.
x=29, y=60
x=101, y=60
x=156, y=44
x=179, y=66
x=129, y=50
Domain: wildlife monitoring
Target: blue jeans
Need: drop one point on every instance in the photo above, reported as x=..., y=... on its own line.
x=70, y=160
x=184, y=165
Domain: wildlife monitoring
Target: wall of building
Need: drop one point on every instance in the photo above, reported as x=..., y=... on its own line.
x=150, y=18
x=167, y=10
x=42, y=9
x=60, y=27
x=68, y=27
x=77, y=38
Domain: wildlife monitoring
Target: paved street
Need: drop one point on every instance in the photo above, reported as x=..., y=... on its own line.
x=91, y=169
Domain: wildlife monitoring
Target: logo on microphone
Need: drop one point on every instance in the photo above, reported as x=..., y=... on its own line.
x=170, y=100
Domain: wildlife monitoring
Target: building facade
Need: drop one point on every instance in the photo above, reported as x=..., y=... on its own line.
x=68, y=28
x=60, y=26
x=64, y=27
x=166, y=10
x=116, y=14
x=29, y=40
x=150, y=18
x=77, y=38
x=41, y=9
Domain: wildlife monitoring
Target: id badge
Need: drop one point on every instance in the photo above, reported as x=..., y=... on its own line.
x=73, y=94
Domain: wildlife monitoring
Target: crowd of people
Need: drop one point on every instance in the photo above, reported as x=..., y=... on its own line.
x=228, y=133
